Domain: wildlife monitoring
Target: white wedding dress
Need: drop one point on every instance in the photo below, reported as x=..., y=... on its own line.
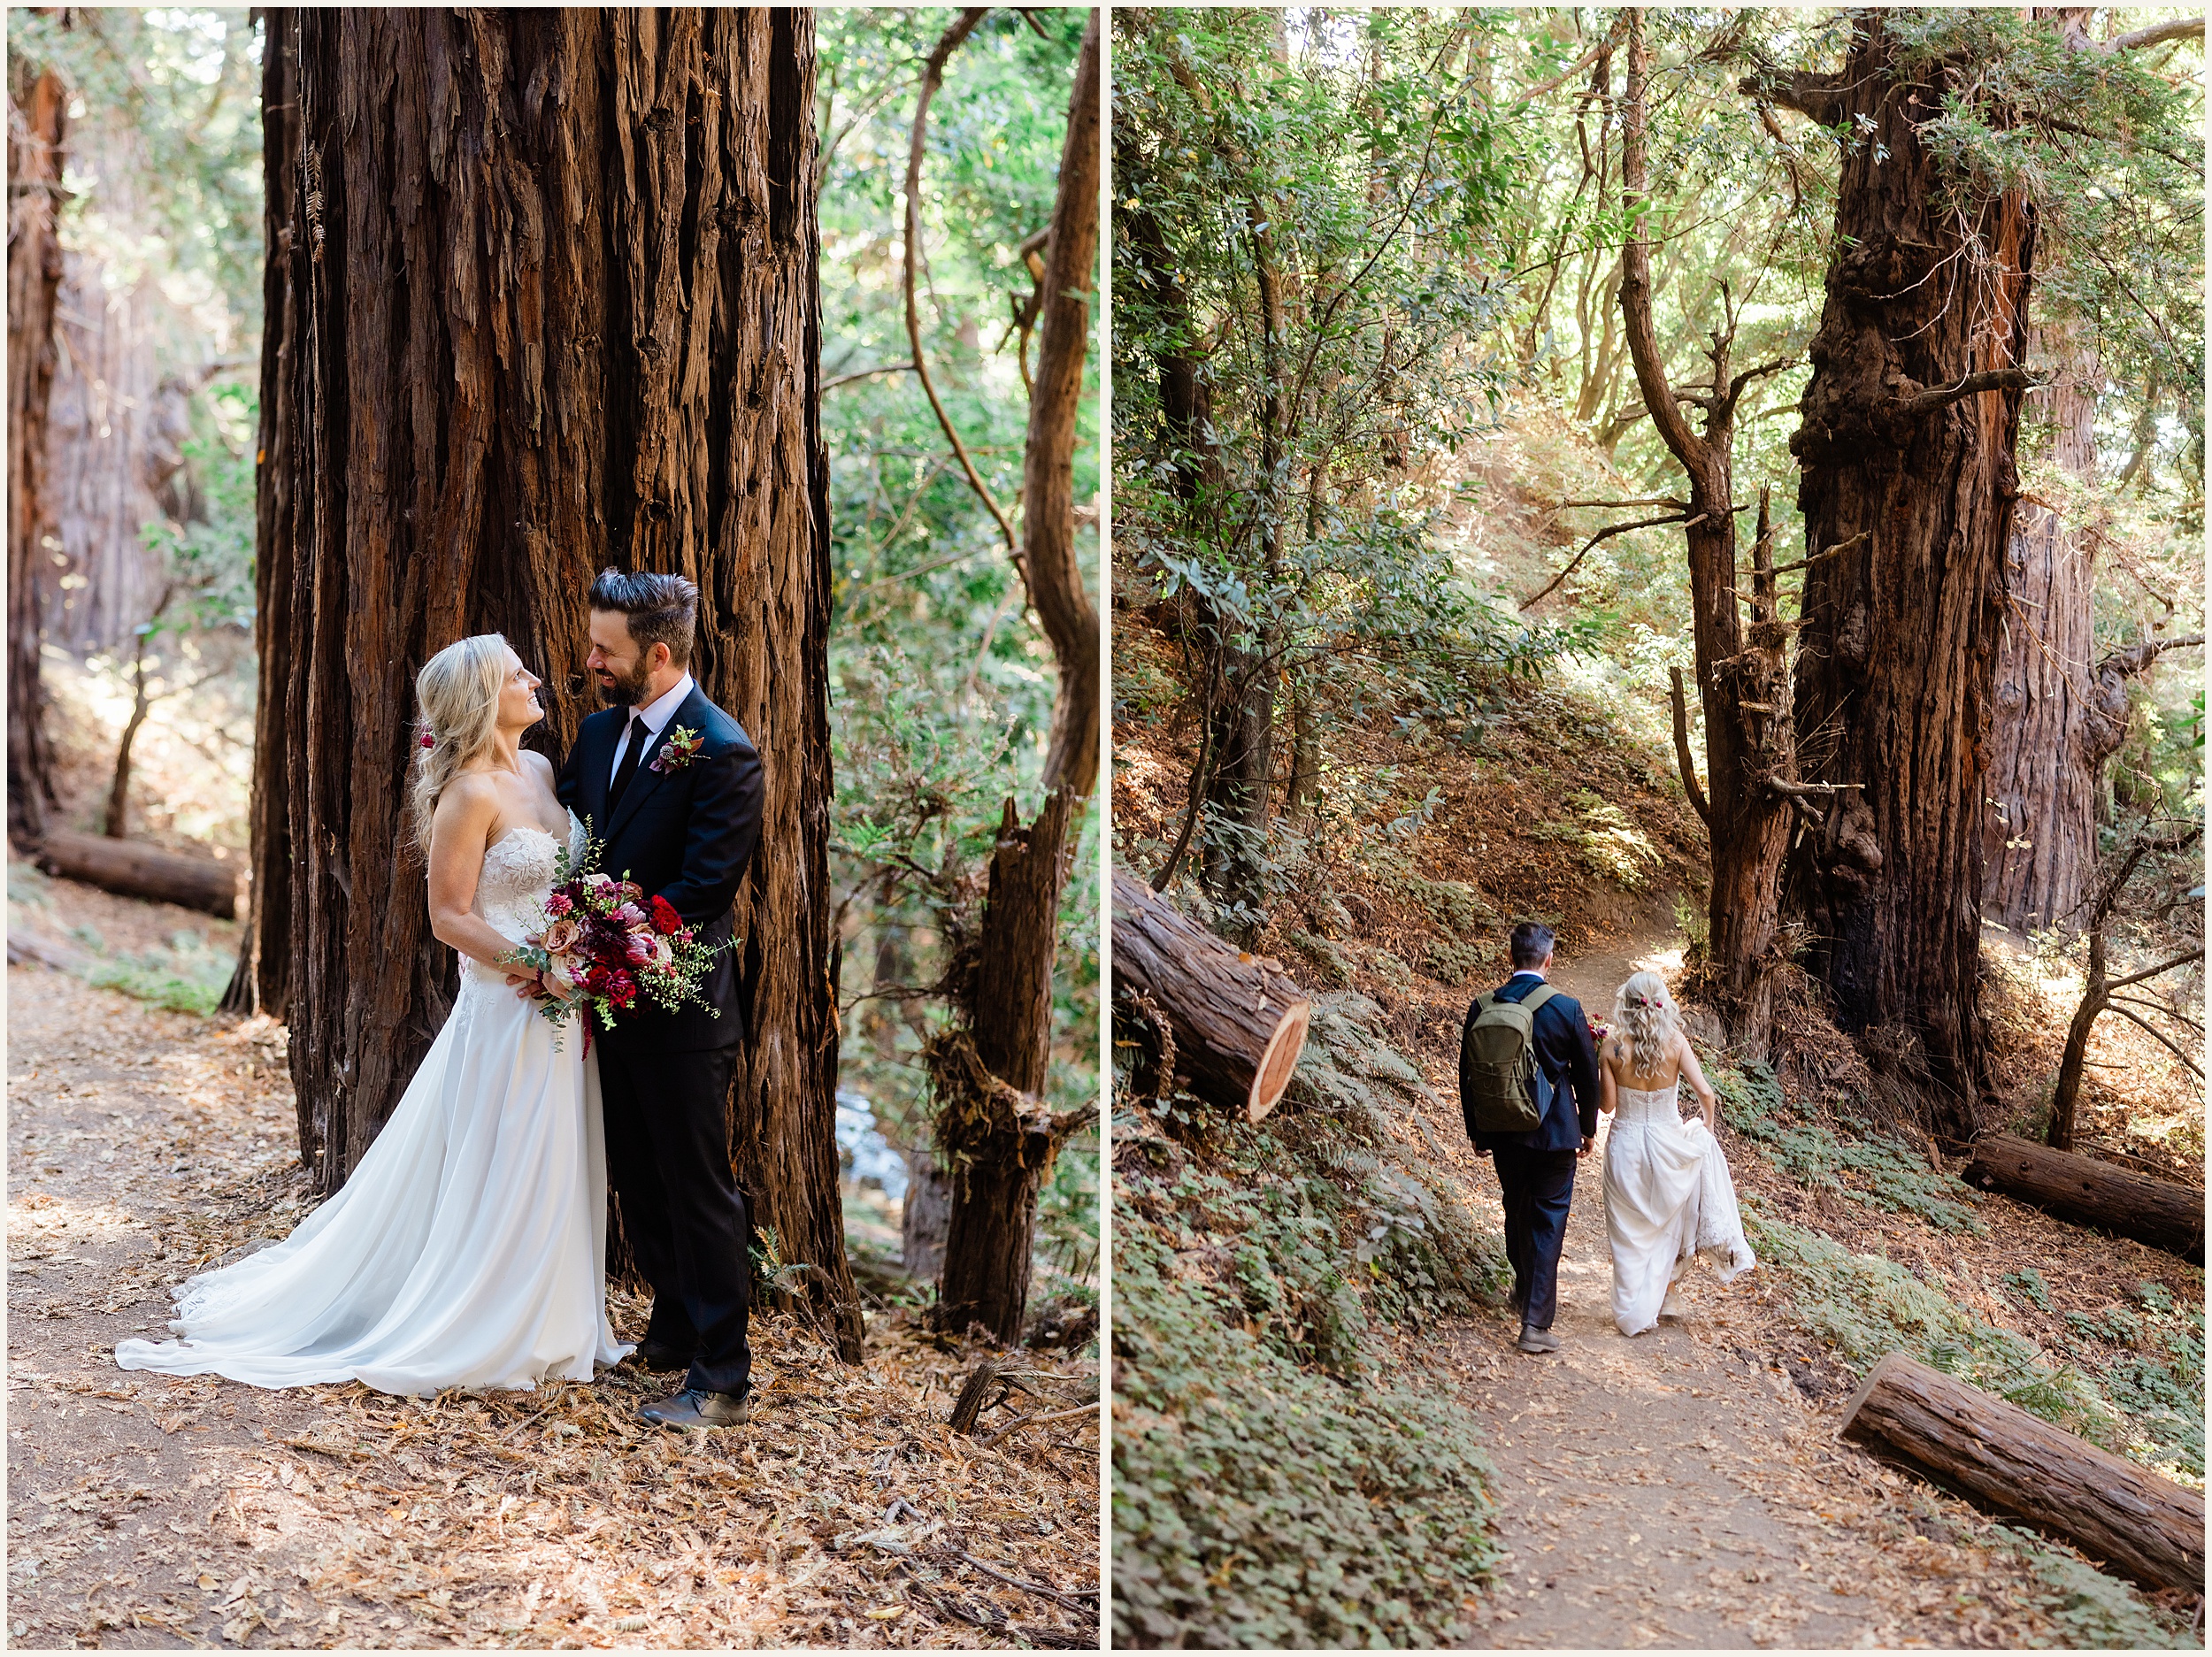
x=1668, y=1198
x=468, y=1249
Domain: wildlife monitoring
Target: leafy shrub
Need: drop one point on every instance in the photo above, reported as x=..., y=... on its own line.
x=1259, y=1504
x=188, y=977
x=2098, y=1613
x=1281, y=1477
x=1868, y=1307
x=1889, y=1173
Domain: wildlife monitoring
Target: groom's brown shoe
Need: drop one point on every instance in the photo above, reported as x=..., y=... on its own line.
x=692, y=1408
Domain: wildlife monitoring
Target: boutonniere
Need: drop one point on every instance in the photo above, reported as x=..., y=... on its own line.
x=679, y=751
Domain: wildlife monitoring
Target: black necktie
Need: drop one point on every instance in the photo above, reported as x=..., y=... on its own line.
x=640, y=734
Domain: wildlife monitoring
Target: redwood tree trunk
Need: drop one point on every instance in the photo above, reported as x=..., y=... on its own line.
x=554, y=305
x=1896, y=672
x=999, y=1136
x=2048, y=737
x=37, y=118
x=264, y=950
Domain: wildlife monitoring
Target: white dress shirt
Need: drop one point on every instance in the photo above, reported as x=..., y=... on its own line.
x=656, y=714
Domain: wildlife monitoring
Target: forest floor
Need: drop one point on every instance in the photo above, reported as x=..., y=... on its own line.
x=150, y=1511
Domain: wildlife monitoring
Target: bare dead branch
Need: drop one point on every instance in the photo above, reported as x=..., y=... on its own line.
x=1682, y=747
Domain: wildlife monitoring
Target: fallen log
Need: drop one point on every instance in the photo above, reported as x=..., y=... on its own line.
x=2139, y=1525
x=2159, y=1212
x=1238, y=1023
x=139, y=870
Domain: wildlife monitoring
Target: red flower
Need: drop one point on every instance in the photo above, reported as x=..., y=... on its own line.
x=665, y=919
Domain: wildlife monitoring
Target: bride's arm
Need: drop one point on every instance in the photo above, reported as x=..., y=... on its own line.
x=1609, y=1090
x=1699, y=1085
x=459, y=831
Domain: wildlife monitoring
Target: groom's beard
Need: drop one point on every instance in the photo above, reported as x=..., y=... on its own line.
x=627, y=692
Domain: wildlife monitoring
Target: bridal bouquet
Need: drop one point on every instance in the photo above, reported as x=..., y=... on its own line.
x=605, y=944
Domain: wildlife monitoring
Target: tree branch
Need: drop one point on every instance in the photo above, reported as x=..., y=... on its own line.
x=868, y=374
x=2111, y=984
x=1928, y=401
x=2128, y=663
x=1682, y=747
x=1817, y=95
x=933, y=76
x=1603, y=534
x=1643, y=340
x=2155, y=35
x=1838, y=550
x=2156, y=1035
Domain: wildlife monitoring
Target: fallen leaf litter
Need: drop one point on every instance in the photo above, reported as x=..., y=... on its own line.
x=146, y=1144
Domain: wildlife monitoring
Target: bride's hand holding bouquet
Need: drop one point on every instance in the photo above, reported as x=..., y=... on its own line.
x=605, y=945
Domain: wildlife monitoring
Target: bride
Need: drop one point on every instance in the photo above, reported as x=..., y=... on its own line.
x=468, y=1249
x=1668, y=1196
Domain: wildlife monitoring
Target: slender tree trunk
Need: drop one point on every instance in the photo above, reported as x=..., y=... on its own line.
x=1910, y=422
x=998, y=1135
x=37, y=121
x=554, y=307
x=264, y=950
x=1742, y=675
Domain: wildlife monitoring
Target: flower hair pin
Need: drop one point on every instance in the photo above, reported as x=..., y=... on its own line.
x=681, y=748
x=424, y=738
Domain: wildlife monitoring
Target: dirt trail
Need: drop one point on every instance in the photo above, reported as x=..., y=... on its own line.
x=1674, y=1490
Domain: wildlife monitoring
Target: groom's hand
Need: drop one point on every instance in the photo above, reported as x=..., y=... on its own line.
x=1588, y=1145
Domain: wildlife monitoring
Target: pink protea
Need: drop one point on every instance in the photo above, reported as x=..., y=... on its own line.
x=630, y=915
x=639, y=950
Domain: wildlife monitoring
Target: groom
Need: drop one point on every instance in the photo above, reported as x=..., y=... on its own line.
x=671, y=786
x=1536, y=1169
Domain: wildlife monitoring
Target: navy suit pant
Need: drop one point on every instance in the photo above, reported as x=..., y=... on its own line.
x=668, y=1159
x=1538, y=1185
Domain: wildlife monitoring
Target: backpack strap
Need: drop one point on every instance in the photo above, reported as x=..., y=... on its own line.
x=1538, y=997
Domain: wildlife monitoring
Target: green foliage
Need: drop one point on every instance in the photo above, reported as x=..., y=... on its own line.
x=941, y=681
x=1258, y=1503
x=186, y=976
x=2031, y=1286
x=1281, y=1477
x=1868, y=1307
x=1875, y=1168
x=2096, y=1612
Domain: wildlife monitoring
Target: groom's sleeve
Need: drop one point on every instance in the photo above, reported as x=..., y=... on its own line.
x=1583, y=1068
x=724, y=826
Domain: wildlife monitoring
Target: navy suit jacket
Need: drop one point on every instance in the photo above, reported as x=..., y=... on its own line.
x=1566, y=1074
x=686, y=835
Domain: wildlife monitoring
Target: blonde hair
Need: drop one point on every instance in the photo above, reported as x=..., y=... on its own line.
x=1646, y=1021
x=457, y=696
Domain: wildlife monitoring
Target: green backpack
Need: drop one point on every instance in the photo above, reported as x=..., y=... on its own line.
x=1497, y=1063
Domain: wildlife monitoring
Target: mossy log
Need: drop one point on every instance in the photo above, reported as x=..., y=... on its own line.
x=1238, y=1023
x=2136, y=1523
x=2159, y=1212
x=139, y=870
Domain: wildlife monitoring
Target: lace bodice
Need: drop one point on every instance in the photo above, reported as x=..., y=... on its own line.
x=511, y=892
x=1638, y=1104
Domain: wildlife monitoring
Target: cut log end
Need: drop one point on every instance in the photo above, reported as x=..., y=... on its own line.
x=1278, y=1060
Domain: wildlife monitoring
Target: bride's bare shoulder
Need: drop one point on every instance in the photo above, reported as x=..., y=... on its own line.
x=539, y=766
